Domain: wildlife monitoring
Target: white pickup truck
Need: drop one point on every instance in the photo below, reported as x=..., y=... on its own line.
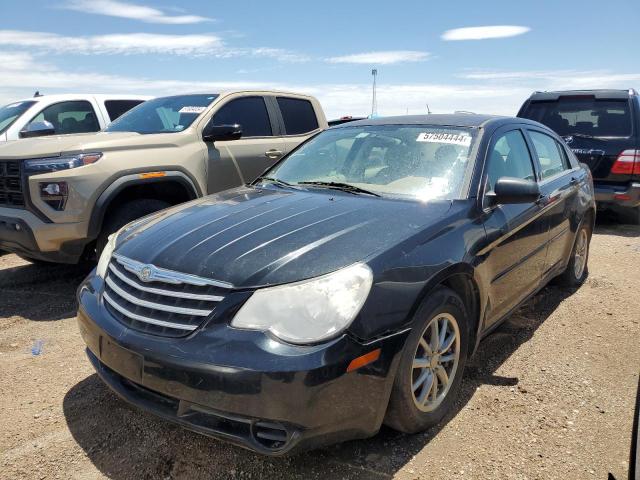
x=62, y=114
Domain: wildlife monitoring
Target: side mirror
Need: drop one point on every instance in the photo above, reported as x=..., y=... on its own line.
x=217, y=133
x=37, y=129
x=514, y=190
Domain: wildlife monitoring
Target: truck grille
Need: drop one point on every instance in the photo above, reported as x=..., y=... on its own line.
x=158, y=301
x=11, y=184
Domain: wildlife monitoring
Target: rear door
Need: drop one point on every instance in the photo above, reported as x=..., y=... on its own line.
x=596, y=128
x=517, y=233
x=559, y=182
x=298, y=119
x=236, y=162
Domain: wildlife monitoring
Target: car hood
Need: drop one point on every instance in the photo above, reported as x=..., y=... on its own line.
x=253, y=237
x=85, y=142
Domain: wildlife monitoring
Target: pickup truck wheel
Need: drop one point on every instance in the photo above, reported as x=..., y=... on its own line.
x=432, y=363
x=629, y=215
x=577, y=269
x=126, y=213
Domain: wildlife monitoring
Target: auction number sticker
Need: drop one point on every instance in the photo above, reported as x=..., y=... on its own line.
x=192, y=109
x=451, y=138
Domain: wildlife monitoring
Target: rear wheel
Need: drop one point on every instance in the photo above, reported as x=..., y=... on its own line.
x=577, y=269
x=432, y=364
x=124, y=214
x=629, y=215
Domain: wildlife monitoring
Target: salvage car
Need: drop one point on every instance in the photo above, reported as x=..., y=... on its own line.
x=61, y=197
x=602, y=127
x=344, y=288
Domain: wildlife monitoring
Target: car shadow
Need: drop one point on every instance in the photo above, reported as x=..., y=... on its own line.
x=124, y=443
x=607, y=223
x=39, y=291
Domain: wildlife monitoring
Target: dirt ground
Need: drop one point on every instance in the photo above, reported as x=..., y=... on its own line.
x=549, y=395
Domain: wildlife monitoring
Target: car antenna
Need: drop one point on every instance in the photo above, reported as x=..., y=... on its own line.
x=428, y=110
x=37, y=94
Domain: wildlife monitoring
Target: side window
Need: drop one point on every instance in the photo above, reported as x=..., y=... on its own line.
x=248, y=112
x=509, y=158
x=299, y=116
x=115, y=108
x=550, y=154
x=70, y=117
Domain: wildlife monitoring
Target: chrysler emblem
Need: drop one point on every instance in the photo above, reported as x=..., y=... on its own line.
x=145, y=273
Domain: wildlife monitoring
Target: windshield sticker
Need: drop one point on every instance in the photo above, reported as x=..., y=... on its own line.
x=451, y=138
x=192, y=109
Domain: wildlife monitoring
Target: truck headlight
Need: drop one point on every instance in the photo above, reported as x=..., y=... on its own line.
x=309, y=311
x=53, y=164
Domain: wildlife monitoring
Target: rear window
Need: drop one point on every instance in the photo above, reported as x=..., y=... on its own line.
x=583, y=116
x=116, y=108
x=299, y=116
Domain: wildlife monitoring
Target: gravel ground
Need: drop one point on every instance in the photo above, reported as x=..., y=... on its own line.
x=549, y=395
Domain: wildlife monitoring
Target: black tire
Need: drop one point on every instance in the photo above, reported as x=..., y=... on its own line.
x=571, y=277
x=403, y=413
x=629, y=215
x=125, y=213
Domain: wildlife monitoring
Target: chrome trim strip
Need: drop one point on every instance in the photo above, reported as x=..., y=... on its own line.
x=168, y=276
x=156, y=306
x=140, y=318
x=159, y=291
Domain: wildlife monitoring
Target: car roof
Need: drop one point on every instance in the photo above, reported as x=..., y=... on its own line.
x=597, y=93
x=81, y=96
x=451, y=120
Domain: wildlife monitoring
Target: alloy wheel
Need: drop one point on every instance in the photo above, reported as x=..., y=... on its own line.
x=580, y=255
x=435, y=362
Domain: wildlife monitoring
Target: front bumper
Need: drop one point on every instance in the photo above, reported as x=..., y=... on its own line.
x=24, y=233
x=617, y=196
x=242, y=386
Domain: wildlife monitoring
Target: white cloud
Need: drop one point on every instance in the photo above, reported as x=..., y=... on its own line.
x=114, y=8
x=129, y=43
x=382, y=58
x=482, y=33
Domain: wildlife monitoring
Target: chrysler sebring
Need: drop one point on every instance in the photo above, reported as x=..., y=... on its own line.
x=344, y=288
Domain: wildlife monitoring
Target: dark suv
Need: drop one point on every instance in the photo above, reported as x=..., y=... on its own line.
x=602, y=127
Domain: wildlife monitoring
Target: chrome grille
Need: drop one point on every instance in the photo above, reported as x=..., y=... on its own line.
x=159, y=301
x=11, y=194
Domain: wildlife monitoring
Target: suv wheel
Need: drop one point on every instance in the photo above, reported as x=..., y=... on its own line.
x=432, y=364
x=577, y=269
x=629, y=215
x=126, y=213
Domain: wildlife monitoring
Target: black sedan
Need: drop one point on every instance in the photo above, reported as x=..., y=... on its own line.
x=344, y=288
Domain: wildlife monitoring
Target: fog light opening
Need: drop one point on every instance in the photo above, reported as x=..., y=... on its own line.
x=54, y=194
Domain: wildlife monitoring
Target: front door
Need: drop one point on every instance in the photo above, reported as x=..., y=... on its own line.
x=236, y=162
x=516, y=233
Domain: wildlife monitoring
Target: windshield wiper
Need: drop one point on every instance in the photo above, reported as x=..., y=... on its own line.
x=345, y=187
x=274, y=180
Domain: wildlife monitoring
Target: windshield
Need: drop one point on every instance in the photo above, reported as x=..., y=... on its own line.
x=583, y=116
x=10, y=113
x=421, y=162
x=162, y=115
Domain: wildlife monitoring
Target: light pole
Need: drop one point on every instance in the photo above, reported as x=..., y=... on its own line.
x=374, y=101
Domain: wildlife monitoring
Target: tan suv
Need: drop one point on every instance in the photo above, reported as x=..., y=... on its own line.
x=60, y=197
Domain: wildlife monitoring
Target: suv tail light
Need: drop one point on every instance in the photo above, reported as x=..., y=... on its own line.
x=627, y=163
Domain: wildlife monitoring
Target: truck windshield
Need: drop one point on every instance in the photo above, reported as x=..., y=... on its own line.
x=162, y=115
x=10, y=113
x=583, y=115
x=421, y=162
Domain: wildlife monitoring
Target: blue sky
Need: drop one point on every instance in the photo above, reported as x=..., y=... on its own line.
x=464, y=55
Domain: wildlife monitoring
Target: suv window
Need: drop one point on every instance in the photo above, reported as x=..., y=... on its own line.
x=248, y=112
x=116, y=108
x=550, y=154
x=509, y=157
x=299, y=115
x=583, y=115
x=76, y=116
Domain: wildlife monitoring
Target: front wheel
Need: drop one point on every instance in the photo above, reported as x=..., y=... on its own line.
x=432, y=364
x=577, y=269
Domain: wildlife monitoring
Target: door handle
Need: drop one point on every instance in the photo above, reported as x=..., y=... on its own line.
x=574, y=181
x=542, y=200
x=273, y=153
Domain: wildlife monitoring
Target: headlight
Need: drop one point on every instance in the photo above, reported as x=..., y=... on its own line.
x=308, y=311
x=53, y=164
x=105, y=257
